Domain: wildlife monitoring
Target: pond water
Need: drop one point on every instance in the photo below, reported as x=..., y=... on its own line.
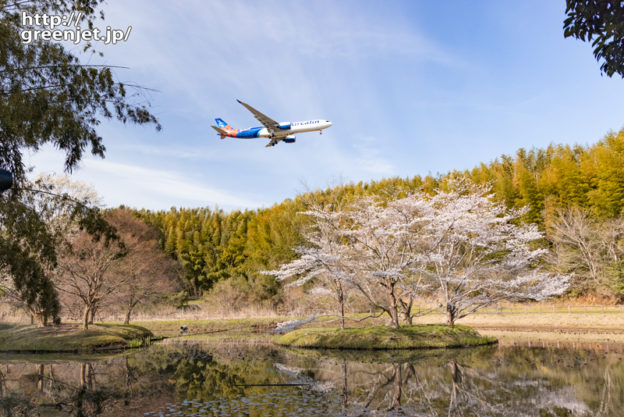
x=238, y=379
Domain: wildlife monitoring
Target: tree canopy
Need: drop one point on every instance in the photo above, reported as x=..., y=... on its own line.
x=600, y=22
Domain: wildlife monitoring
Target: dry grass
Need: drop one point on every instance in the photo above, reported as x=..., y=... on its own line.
x=550, y=338
x=200, y=312
x=610, y=320
x=545, y=327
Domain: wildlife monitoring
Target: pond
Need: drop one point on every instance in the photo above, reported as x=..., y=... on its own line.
x=196, y=378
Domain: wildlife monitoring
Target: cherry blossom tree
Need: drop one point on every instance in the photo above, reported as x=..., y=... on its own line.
x=323, y=260
x=476, y=253
x=380, y=256
x=365, y=245
x=457, y=246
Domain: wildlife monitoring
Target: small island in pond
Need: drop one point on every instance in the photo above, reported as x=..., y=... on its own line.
x=72, y=338
x=423, y=336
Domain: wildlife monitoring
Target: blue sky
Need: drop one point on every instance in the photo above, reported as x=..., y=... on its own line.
x=411, y=87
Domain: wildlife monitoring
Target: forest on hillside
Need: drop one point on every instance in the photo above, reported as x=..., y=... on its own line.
x=574, y=194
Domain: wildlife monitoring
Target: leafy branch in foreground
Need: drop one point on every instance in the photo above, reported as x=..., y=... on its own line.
x=600, y=22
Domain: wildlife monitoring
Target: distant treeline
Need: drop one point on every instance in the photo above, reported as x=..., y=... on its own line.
x=212, y=245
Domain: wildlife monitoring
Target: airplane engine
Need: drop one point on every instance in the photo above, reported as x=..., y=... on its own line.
x=289, y=139
x=284, y=125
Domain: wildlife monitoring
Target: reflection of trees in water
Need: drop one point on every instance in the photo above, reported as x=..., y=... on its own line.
x=493, y=382
x=69, y=388
x=40, y=389
x=114, y=386
x=200, y=377
x=512, y=383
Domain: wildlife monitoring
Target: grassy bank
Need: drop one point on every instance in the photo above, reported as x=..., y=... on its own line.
x=71, y=338
x=382, y=337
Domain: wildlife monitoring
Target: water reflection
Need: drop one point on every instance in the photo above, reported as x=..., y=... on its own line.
x=234, y=380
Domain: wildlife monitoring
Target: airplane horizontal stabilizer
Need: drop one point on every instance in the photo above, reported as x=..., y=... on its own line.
x=222, y=132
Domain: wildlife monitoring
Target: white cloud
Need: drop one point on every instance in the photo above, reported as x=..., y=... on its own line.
x=142, y=187
x=166, y=184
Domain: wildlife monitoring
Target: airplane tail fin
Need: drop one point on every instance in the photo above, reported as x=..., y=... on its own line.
x=225, y=129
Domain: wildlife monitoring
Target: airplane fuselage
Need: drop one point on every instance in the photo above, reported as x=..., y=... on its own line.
x=285, y=129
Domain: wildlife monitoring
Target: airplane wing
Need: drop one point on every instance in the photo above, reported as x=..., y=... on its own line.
x=266, y=121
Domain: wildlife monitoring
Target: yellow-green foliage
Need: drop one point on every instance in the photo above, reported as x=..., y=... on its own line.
x=28, y=338
x=381, y=337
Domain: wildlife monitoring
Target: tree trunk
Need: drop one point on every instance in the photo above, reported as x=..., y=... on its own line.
x=407, y=311
x=345, y=390
x=39, y=317
x=85, y=318
x=40, y=376
x=342, y=314
x=128, y=313
x=396, y=398
x=83, y=375
x=92, y=314
x=394, y=310
x=451, y=314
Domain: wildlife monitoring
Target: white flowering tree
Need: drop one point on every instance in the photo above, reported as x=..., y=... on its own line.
x=475, y=253
x=323, y=260
x=457, y=246
x=380, y=239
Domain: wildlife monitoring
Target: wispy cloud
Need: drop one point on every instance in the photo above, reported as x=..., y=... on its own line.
x=266, y=49
x=140, y=186
x=172, y=186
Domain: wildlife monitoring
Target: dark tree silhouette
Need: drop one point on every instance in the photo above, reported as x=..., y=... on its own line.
x=600, y=22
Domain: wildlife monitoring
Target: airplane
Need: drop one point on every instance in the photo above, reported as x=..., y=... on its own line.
x=282, y=131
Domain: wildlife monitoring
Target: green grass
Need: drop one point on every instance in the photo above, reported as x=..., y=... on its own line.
x=422, y=336
x=70, y=338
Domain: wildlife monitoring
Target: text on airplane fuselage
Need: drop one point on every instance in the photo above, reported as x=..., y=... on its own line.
x=311, y=122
